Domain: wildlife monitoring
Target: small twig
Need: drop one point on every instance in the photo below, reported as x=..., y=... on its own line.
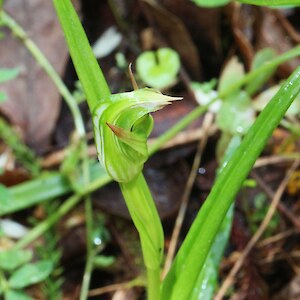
x=278, y=237
x=186, y=195
x=263, y=226
x=276, y=159
x=281, y=207
x=118, y=286
x=18, y=31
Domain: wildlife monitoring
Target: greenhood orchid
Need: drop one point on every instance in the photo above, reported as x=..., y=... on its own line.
x=122, y=124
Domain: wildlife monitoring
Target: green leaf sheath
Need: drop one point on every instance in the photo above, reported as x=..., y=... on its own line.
x=271, y=2
x=189, y=261
x=86, y=65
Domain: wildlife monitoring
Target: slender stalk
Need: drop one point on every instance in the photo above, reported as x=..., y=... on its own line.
x=146, y=219
x=89, y=229
x=87, y=275
x=18, y=31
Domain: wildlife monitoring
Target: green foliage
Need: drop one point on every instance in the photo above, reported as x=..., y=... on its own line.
x=183, y=275
x=33, y=192
x=124, y=121
x=208, y=277
x=261, y=57
x=158, y=69
x=120, y=138
x=211, y=3
x=236, y=114
x=257, y=213
x=271, y=2
x=4, y=194
x=15, y=265
x=264, y=98
x=30, y=274
x=101, y=261
x=6, y=75
x=16, y=295
x=12, y=259
x=70, y=167
x=216, y=3
x=205, y=93
x=233, y=70
x=23, y=154
x=49, y=250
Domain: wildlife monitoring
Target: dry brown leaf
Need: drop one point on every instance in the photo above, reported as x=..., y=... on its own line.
x=33, y=100
x=272, y=34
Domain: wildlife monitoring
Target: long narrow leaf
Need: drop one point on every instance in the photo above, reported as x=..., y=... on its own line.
x=183, y=275
x=86, y=65
x=208, y=278
x=42, y=189
x=271, y=2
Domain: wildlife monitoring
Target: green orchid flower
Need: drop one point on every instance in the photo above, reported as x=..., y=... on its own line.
x=122, y=124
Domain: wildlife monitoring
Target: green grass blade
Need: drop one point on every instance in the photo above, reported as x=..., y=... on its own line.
x=44, y=188
x=190, y=259
x=86, y=65
x=211, y=3
x=208, y=278
x=271, y=2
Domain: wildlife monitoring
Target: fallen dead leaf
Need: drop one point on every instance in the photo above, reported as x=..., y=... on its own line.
x=33, y=100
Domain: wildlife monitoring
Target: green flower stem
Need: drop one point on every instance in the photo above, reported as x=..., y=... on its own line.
x=87, y=275
x=146, y=219
x=18, y=31
x=153, y=284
